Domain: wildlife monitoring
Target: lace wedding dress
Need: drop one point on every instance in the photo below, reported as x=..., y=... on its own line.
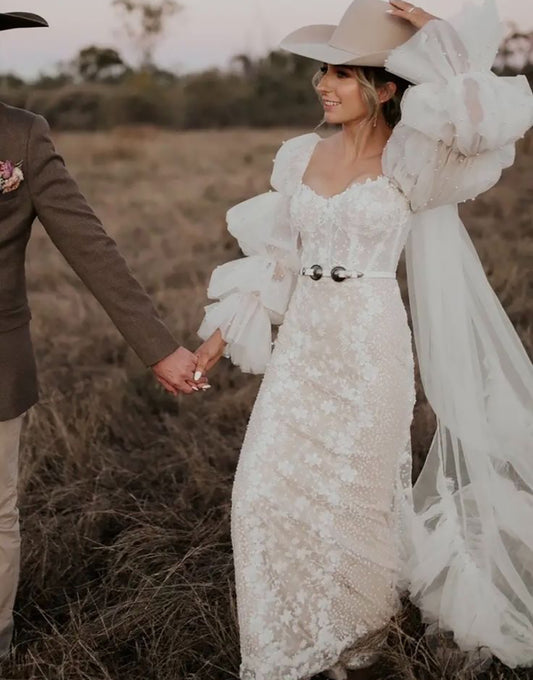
x=325, y=530
x=315, y=537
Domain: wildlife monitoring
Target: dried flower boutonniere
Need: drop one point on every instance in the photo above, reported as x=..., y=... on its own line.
x=11, y=176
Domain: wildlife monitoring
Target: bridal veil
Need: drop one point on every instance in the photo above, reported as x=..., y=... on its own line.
x=469, y=519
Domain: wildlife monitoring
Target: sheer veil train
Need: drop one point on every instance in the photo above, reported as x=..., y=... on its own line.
x=468, y=537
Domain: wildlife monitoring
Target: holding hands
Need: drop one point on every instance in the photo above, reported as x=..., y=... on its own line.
x=411, y=13
x=176, y=373
x=182, y=371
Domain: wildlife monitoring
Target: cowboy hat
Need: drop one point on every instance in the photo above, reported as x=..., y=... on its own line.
x=20, y=20
x=365, y=36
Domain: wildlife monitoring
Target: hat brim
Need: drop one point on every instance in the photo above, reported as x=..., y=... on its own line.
x=313, y=42
x=9, y=20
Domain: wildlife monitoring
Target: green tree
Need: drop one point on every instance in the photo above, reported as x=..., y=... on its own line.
x=282, y=92
x=10, y=81
x=99, y=64
x=145, y=22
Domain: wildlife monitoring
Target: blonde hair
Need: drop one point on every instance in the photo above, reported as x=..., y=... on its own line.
x=371, y=79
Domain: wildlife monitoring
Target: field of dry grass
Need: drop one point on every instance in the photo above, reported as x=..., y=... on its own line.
x=127, y=569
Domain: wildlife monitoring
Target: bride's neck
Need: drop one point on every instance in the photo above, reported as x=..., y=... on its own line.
x=362, y=139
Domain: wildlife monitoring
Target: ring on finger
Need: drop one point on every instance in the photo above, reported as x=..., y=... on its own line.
x=413, y=9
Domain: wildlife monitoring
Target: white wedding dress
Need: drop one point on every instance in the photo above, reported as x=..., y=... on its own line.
x=314, y=532
x=325, y=531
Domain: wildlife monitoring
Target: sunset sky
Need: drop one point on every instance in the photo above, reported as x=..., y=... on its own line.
x=205, y=33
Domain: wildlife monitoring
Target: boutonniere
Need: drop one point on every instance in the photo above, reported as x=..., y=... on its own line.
x=11, y=176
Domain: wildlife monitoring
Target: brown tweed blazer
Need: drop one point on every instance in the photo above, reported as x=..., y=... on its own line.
x=49, y=193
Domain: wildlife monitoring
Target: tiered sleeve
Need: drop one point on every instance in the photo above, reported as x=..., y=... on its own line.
x=459, y=123
x=253, y=292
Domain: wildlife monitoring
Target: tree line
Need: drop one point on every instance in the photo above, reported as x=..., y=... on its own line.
x=99, y=89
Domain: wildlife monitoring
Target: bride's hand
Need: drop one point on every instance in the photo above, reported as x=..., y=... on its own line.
x=209, y=353
x=411, y=13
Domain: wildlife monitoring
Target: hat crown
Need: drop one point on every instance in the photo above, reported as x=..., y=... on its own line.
x=367, y=28
x=365, y=36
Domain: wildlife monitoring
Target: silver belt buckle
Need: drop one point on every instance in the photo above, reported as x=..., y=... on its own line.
x=336, y=274
x=318, y=272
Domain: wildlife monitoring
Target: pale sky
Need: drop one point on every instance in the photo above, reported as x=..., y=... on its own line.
x=205, y=33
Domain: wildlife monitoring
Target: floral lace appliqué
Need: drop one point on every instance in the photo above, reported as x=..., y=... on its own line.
x=315, y=499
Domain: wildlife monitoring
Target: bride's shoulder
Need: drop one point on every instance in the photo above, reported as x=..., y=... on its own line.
x=291, y=159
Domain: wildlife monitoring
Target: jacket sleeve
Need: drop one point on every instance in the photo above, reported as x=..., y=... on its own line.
x=93, y=255
x=459, y=121
x=253, y=292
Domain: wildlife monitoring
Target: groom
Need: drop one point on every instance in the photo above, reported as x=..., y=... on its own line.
x=35, y=183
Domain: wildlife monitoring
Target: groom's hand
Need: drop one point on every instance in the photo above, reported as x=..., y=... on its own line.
x=176, y=372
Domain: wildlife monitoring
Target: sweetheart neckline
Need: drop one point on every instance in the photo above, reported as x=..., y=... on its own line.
x=369, y=180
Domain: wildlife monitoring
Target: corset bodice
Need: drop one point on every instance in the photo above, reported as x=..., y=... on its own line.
x=364, y=227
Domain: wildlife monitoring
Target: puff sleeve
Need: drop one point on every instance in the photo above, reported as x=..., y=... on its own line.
x=253, y=292
x=459, y=121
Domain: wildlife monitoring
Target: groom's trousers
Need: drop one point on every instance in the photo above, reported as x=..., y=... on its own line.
x=9, y=527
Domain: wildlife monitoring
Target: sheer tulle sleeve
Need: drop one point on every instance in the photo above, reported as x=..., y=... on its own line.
x=459, y=123
x=253, y=292
x=469, y=556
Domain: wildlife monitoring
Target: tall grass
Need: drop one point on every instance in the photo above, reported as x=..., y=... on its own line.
x=125, y=491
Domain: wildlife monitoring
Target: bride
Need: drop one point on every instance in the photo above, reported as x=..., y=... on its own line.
x=327, y=531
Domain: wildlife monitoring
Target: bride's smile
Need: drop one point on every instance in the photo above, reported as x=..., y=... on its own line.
x=340, y=94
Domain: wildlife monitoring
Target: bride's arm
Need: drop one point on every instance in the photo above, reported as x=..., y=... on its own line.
x=210, y=352
x=254, y=291
x=459, y=121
